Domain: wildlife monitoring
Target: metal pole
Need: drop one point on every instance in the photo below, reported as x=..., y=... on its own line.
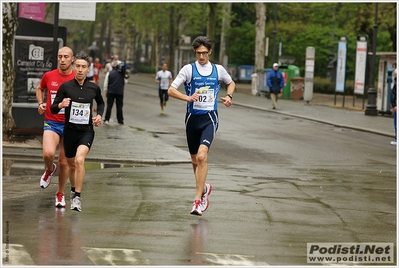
x=371, y=108
x=55, y=36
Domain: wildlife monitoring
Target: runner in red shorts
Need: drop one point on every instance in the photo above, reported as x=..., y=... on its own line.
x=97, y=68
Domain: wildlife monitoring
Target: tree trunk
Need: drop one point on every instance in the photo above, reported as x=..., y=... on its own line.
x=157, y=49
x=225, y=26
x=211, y=26
x=260, y=36
x=173, y=39
x=10, y=24
x=103, y=27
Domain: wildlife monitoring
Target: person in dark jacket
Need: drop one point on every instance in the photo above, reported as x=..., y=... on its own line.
x=275, y=81
x=114, y=85
x=393, y=105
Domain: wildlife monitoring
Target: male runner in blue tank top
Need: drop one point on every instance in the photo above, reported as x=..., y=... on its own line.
x=201, y=83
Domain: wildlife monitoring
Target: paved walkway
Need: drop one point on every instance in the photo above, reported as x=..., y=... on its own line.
x=144, y=149
x=324, y=110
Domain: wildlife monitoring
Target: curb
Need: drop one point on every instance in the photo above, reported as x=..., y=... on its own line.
x=317, y=120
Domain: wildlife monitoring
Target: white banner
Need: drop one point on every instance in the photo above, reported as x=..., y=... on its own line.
x=361, y=60
x=309, y=73
x=78, y=11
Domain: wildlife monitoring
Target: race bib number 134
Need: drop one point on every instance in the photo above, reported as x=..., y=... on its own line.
x=80, y=113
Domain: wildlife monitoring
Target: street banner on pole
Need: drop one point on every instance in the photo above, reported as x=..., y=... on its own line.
x=361, y=60
x=33, y=11
x=341, y=65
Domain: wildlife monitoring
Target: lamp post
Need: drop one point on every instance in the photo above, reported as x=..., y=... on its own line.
x=55, y=36
x=371, y=108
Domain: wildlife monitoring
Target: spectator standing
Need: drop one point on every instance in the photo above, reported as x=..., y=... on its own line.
x=393, y=106
x=54, y=125
x=77, y=96
x=114, y=86
x=90, y=75
x=275, y=82
x=107, y=66
x=163, y=78
x=201, y=83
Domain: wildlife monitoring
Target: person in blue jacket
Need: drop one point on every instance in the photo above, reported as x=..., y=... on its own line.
x=275, y=81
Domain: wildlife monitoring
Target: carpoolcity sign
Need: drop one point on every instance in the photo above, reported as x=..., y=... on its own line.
x=350, y=253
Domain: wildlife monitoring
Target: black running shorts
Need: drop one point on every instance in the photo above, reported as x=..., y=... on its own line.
x=73, y=138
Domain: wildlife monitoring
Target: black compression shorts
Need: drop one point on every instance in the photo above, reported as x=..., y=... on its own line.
x=201, y=129
x=73, y=138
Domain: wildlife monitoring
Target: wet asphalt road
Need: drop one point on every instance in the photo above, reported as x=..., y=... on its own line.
x=265, y=206
x=140, y=216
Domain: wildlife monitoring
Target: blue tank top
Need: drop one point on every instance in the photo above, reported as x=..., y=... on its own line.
x=207, y=86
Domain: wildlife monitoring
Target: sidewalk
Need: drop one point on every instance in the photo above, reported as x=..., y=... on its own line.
x=321, y=109
x=145, y=149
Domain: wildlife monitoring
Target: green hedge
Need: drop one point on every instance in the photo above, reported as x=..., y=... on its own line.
x=144, y=68
x=325, y=86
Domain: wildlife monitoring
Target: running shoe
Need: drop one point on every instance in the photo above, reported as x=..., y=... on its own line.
x=60, y=200
x=204, y=198
x=45, y=180
x=196, y=208
x=71, y=196
x=76, y=203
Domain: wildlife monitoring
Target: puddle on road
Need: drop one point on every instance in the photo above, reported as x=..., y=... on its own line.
x=25, y=167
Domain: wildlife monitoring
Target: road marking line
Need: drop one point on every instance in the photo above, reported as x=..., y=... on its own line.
x=16, y=255
x=115, y=256
x=230, y=259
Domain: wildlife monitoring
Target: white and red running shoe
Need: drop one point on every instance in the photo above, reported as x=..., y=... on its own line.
x=204, y=198
x=45, y=180
x=196, y=208
x=60, y=200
